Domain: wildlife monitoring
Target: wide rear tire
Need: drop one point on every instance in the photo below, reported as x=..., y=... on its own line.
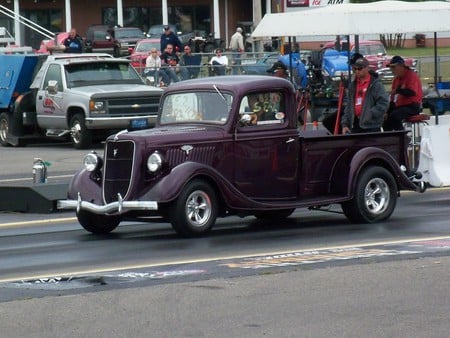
x=195, y=210
x=98, y=224
x=375, y=197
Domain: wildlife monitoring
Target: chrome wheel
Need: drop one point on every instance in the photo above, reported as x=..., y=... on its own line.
x=376, y=195
x=198, y=208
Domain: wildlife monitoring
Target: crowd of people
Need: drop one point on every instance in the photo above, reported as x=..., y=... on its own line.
x=369, y=107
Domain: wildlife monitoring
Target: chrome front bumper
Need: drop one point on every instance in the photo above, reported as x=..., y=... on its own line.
x=114, y=207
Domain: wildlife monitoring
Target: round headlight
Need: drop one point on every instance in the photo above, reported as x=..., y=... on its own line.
x=154, y=162
x=92, y=162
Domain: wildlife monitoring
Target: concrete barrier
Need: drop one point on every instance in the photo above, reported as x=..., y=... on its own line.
x=434, y=158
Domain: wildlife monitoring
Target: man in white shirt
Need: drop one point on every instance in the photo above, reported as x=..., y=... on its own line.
x=219, y=62
x=237, y=47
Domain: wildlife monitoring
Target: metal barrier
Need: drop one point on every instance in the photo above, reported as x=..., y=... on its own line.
x=251, y=60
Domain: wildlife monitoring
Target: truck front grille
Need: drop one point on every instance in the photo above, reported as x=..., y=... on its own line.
x=118, y=169
x=134, y=106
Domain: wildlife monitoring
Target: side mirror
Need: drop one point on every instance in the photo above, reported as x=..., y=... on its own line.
x=52, y=87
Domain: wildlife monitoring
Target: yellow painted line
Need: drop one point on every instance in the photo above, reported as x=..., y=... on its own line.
x=212, y=259
x=39, y=222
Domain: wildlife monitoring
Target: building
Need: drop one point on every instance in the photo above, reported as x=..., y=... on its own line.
x=213, y=16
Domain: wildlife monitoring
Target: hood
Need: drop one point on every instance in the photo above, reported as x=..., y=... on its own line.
x=117, y=90
x=173, y=135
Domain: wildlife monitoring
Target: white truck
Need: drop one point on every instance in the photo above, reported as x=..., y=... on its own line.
x=82, y=96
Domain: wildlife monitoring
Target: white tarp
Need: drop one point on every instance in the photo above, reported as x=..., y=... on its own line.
x=381, y=17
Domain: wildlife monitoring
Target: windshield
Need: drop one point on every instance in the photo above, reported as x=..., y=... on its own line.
x=209, y=107
x=98, y=73
x=372, y=49
x=147, y=46
x=128, y=33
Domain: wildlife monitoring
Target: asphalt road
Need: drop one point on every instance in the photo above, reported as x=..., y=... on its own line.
x=315, y=275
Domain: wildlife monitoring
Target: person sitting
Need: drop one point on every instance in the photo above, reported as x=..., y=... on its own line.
x=189, y=64
x=74, y=42
x=170, y=60
x=219, y=62
x=405, y=96
x=153, y=69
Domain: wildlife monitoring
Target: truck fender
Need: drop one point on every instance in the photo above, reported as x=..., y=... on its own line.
x=82, y=183
x=365, y=157
x=169, y=187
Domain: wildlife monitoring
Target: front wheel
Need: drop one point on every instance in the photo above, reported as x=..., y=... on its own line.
x=4, y=129
x=98, y=224
x=80, y=136
x=374, y=199
x=195, y=211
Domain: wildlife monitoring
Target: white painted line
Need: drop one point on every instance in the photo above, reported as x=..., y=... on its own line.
x=30, y=178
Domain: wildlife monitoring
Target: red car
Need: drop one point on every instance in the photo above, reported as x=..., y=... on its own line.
x=142, y=51
x=376, y=54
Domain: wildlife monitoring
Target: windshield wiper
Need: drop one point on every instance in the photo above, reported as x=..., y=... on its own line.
x=218, y=92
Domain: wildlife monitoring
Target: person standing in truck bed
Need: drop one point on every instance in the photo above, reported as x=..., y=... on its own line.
x=367, y=101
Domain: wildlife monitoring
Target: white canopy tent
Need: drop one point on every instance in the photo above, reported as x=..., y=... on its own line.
x=381, y=17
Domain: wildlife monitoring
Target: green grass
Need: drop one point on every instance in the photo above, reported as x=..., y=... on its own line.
x=419, y=52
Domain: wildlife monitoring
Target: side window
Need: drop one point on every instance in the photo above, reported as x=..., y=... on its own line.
x=264, y=108
x=53, y=74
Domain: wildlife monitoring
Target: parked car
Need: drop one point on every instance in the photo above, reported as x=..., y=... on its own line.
x=155, y=31
x=118, y=41
x=375, y=52
x=142, y=51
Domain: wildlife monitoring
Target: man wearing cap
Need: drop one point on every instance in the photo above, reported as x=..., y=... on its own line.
x=237, y=47
x=169, y=37
x=367, y=101
x=405, y=96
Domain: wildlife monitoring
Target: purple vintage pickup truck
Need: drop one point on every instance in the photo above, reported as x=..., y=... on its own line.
x=231, y=146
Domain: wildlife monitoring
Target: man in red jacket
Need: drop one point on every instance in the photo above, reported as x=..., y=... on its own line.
x=406, y=95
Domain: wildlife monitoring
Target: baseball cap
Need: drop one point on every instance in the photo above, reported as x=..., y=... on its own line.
x=166, y=27
x=361, y=62
x=355, y=57
x=396, y=60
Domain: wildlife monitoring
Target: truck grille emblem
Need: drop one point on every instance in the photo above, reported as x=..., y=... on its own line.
x=187, y=149
x=115, y=151
x=136, y=106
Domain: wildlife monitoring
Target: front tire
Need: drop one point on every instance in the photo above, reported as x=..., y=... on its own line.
x=4, y=129
x=195, y=210
x=375, y=197
x=80, y=136
x=98, y=224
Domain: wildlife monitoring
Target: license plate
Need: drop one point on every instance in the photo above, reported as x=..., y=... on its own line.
x=139, y=124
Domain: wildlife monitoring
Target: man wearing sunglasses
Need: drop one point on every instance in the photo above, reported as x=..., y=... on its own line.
x=367, y=101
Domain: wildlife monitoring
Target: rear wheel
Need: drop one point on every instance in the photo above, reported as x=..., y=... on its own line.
x=375, y=197
x=4, y=129
x=97, y=224
x=80, y=136
x=195, y=211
